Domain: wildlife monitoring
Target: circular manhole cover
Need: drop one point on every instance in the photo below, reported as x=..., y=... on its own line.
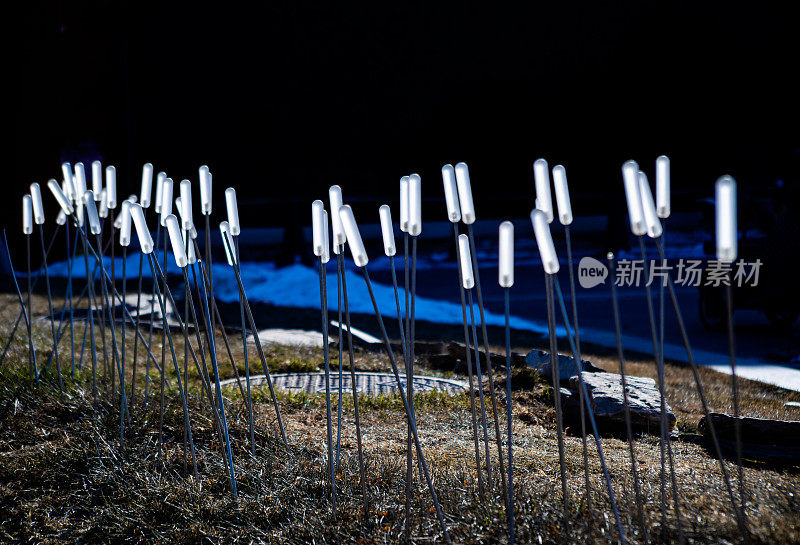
x=366, y=383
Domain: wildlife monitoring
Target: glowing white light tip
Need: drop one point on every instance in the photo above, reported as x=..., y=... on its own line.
x=233, y=211
x=91, y=212
x=562, y=195
x=326, y=255
x=353, y=236
x=648, y=207
x=227, y=242
x=387, y=230
x=317, y=227
x=103, y=203
x=630, y=177
x=176, y=241
x=125, y=224
x=27, y=215
x=414, y=205
x=541, y=179
x=205, y=191
x=145, y=240
x=97, y=180
x=111, y=187
x=662, y=186
x=79, y=182
x=465, y=194
x=404, y=204
x=186, y=204
x=36, y=201
x=160, y=177
x=166, y=200
x=544, y=241
x=505, y=273
x=467, y=278
x=727, y=228
x=451, y=193
x=61, y=219
x=67, y=174
x=147, y=185
x=339, y=235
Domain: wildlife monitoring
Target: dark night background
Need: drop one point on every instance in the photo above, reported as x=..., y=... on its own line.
x=283, y=99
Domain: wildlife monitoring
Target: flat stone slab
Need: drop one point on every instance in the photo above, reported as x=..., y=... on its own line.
x=291, y=337
x=607, y=399
x=764, y=440
x=374, y=384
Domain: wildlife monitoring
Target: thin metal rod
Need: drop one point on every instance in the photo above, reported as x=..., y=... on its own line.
x=406, y=406
x=20, y=315
x=665, y=443
x=50, y=310
x=488, y=460
x=577, y=356
x=247, y=364
x=157, y=241
x=640, y=500
x=481, y=490
x=551, y=322
x=323, y=301
x=123, y=400
x=209, y=272
x=409, y=361
x=596, y=433
x=489, y=372
x=32, y=352
x=90, y=286
x=103, y=310
x=735, y=395
x=510, y=511
x=154, y=267
x=71, y=257
x=34, y=376
x=339, y=271
x=361, y=470
x=138, y=323
x=166, y=332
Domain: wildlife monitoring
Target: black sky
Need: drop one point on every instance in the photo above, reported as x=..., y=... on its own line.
x=283, y=99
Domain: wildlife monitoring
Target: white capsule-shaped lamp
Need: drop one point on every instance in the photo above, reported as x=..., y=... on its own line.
x=630, y=178
x=541, y=180
x=335, y=200
x=404, y=204
x=27, y=215
x=227, y=242
x=505, y=271
x=467, y=277
x=91, y=212
x=147, y=186
x=125, y=224
x=317, y=227
x=166, y=200
x=651, y=220
x=326, y=255
x=67, y=174
x=414, y=205
x=387, y=230
x=186, y=204
x=103, y=210
x=97, y=180
x=465, y=194
x=176, y=241
x=38, y=206
x=118, y=221
x=662, y=186
x=111, y=187
x=353, y=236
x=145, y=240
x=451, y=193
x=205, y=191
x=233, y=211
x=562, y=195
x=68, y=189
x=79, y=182
x=547, y=252
x=160, y=177
x=191, y=256
x=727, y=227
x=61, y=218
x=63, y=200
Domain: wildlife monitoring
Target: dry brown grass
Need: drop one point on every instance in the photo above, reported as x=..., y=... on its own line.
x=64, y=478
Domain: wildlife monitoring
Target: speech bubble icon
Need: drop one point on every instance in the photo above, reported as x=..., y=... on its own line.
x=591, y=272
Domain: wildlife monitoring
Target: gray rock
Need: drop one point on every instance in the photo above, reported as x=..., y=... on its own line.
x=765, y=440
x=539, y=361
x=606, y=396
